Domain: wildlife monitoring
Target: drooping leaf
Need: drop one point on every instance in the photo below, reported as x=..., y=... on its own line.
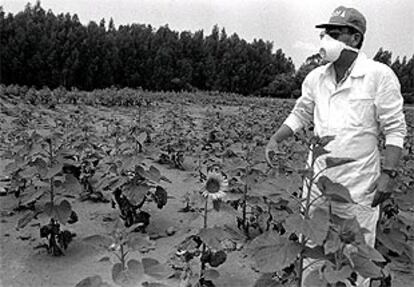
x=118, y=274
x=153, y=174
x=214, y=236
x=325, y=140
x=136, y=241
x=54, y=170
x=332, y=243
x=271, y=252
x=141, y=137
x=393, y=239
x=71, y=184
x=333, y=190
x=315, y=279
x=98, y=240
x=337, y=161
x=351, y=231
x=160, y=196
x=370, y=252
x=319, y=151
x=135, y=270
x=153, y=284
x=365, y=267
x=26, y=219
x=63, y=211
x=211, y=274
x=136, y=192
x=315, y=228
x=59, y=212
x=334, y=276
x=267, y=280
x=34, y=197
x=91, y=281
x=154, y=268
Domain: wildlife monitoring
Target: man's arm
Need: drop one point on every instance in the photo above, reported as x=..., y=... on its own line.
x=389, y=104
x=300, y=116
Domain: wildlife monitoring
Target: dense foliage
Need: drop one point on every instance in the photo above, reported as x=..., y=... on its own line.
x=114, y=148
x=44, y=49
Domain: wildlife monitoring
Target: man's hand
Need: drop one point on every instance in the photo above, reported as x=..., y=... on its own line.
x=272, y=152
x=383, y=188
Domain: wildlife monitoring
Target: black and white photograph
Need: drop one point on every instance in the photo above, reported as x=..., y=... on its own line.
x=206, y=143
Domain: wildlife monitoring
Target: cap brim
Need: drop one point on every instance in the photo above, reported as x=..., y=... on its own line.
x=333, y=25
x=328, y=25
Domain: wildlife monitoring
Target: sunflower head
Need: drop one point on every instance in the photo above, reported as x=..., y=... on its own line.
x=216, y=184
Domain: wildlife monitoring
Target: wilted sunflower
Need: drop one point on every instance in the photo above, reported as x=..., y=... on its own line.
x=216, y=185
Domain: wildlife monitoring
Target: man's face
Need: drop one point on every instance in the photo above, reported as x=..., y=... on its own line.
x=343, y=34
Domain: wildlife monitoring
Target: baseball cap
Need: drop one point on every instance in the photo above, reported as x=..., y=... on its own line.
x=346, y=17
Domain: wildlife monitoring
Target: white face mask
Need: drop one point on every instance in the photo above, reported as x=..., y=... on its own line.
x=331, y=49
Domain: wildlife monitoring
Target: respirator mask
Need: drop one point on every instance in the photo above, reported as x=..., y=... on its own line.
x=331, y=49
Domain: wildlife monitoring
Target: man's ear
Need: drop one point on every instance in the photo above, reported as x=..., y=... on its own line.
x=357, y=38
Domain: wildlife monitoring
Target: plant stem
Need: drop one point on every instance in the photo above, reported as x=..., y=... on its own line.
x=302, y=239
x=122, y=257
x=245, y=227
x=52, y=193
x=203, y=265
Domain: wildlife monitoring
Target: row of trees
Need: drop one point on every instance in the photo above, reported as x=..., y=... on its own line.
x=39, y=48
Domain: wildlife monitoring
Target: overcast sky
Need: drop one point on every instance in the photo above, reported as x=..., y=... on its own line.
x=289, y=24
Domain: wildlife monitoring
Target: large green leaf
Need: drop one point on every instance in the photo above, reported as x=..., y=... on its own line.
x=54, y=169
x=370, y=252
x=267, y=280
x=136, y=241
x=34, y=196
x=332, y=243
x=334, y=276
x=91, y=281
x=315, y=228
x=211, y=274
x=365, y=267
x=214, y=236
x=393, y=240
x=271, y=252
x=26, y=219
x=315, y=279
x=351, y=231
x=71, y=184
x=135, y=270
x=59, y=212
x=333, y=190
x=325, y=140
x=135, y=192
x=153, y=174
x=154, y=268
x=119, y=275
x=98, y=240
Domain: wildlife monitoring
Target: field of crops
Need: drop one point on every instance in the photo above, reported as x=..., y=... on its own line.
x=133, y=188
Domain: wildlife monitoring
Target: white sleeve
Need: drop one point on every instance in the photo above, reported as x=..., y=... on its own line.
x=302, y=114
x=389, y=105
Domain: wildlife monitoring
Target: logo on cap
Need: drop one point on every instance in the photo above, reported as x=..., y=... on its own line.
x=339, y=13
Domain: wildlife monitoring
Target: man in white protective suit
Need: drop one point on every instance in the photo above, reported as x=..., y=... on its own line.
x=354, y=99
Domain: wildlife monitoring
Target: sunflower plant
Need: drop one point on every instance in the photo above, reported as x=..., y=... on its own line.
x=121, y=241
x=40, y=160
x=339, y=253
x=208, y=245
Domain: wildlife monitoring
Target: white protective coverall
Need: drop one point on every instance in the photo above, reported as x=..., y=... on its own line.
x=367, y=102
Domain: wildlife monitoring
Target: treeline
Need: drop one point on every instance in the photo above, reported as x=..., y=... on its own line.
x=40, y=48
